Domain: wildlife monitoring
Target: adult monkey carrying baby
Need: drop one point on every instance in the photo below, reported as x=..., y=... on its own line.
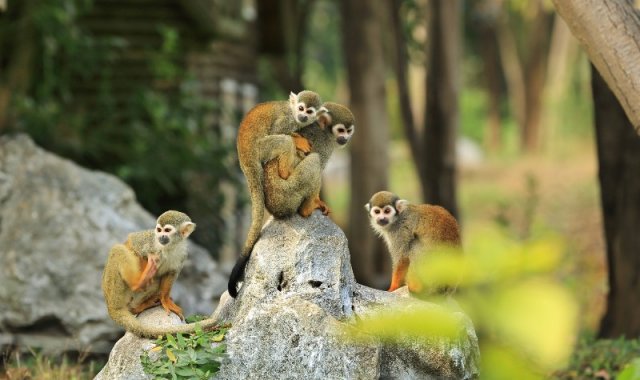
x=265, y=133
x=299, y=190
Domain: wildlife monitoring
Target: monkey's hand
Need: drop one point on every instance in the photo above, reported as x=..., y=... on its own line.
x=146, y=277
x=301, y=143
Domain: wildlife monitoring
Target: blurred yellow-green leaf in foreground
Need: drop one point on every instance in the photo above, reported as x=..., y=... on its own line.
x=525, y=319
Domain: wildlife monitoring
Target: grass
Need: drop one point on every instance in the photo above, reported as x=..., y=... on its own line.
x=37, y=366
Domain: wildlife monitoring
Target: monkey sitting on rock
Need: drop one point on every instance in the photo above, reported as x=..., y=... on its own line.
x=410, y=230
x=139, y=274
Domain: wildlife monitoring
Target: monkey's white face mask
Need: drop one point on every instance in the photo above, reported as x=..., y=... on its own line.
x=381, y=216
x=164, y=234
x=302, y=114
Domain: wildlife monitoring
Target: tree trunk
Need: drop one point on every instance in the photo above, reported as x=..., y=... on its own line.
x=401, y=67
x=610, y=33
x=488, y=13
x=513, y=70
x=441, y=119
x=282, y=27
x=562, y=51
x=364, y=56
x=535, y=68
x=619, y=161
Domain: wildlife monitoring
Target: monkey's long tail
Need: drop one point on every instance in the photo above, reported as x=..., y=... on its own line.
x=127, y=320
x=255, y=182
x=236, y=274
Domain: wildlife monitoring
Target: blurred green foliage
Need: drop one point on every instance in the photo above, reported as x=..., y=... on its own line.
x=157, y=138
x=526, y=321
x=602, y=359
x=323, y=60
x=631, y=371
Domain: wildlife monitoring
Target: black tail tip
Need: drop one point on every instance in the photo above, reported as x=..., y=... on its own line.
x=236, y=275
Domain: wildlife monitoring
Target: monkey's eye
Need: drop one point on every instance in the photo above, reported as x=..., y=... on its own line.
x=341, y=130
x=167, y=229
x=159, y=229
x=300, y=108
x=309, y=112
x=376, y=211
x=387, y=210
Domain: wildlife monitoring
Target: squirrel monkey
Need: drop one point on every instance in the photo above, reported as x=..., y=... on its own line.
x=301, y=191
x=408, y=230
x=265, y=133
x=139, y=274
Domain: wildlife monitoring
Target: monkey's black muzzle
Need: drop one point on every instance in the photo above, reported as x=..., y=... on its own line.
x=302, y=118
x=164, y=240
x=383, y=222
x=342, y=140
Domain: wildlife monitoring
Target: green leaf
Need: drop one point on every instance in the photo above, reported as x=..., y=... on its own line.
x=631, y=371
x=172, y=341
x=181, y=340
x=171, y=355
x=185, y=372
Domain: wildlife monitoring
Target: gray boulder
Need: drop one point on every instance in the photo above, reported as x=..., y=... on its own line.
x=299, y=295
x=57, y=224
x=124, y=359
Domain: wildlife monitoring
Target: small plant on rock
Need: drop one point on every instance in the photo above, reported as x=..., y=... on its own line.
x=195, y=356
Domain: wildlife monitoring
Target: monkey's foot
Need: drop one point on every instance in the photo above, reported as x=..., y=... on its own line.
x=301, y=143
x=393, y=288
x=307, y=208
x=169, y=306
x=320, y=205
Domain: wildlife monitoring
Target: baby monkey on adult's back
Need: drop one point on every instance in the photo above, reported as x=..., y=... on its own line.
x=139, y=274
x=410, y=230
x=301, y=191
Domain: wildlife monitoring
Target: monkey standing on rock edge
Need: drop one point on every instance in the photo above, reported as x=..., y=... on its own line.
x=265, y=133
x=139, y=274
x=409, y=230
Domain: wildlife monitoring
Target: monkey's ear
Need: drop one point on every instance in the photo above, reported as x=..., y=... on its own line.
x=324, y=120
x=322, y=110
x=293, y=98
x=401, y=205
x=367, y=207
x=186, y=229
